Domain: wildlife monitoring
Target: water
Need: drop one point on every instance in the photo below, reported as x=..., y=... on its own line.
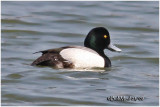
x=28, y=27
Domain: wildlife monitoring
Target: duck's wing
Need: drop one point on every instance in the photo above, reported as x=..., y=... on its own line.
x=51, y=57
x=55, y=50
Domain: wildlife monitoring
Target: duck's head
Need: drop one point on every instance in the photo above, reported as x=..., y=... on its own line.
x=98, y=39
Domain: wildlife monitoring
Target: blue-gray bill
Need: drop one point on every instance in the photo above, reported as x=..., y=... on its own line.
x=113, y=48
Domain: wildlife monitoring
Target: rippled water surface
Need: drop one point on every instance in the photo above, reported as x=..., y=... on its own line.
x=28, y=27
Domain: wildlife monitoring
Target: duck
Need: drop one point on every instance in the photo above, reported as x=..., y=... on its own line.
x=91, y=55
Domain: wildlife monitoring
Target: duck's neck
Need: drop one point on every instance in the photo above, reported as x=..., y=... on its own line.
x=106, y=59
x=101, y=53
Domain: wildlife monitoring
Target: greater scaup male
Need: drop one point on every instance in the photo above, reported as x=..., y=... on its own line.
x=90, y=56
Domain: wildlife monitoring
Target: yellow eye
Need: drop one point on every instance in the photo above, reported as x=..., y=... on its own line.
x=105, y=36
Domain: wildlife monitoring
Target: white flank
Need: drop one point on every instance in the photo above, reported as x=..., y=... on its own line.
x=82, y=58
